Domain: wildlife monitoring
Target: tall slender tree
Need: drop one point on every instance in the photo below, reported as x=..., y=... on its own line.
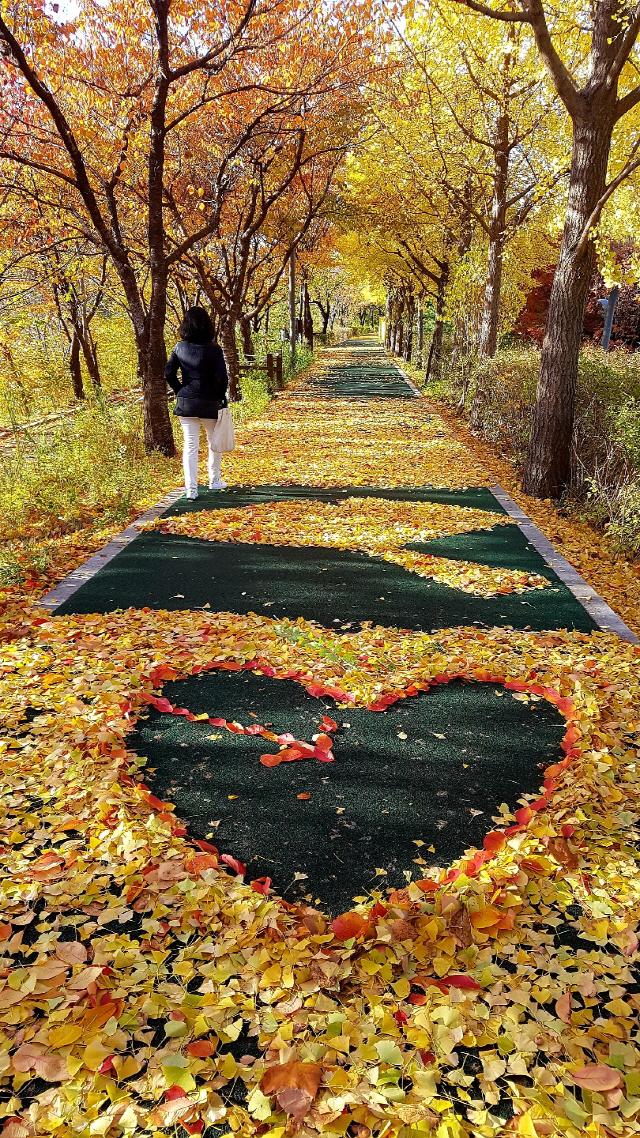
x=591, y=56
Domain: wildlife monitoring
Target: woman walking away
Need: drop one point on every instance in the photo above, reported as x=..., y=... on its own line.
x=200, y=396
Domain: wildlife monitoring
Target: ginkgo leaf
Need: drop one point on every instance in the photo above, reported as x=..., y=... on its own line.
x=563, y=1007
x=234, y=864
x=202, y=1048
x=349, y=925
x=85, y=977
x=65, y=1035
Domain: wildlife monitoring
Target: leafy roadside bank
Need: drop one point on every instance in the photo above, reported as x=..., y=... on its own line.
x=590, y=551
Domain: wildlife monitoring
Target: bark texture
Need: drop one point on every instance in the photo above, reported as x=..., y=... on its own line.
x=230, y=350
x=497, y=229
x=248, y=347
x=548, y=464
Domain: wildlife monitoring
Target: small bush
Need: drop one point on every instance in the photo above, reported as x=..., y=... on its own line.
x=87, y=466
x=605, y=462
x=623, y=526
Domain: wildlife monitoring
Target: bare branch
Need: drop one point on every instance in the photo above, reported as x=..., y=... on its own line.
x=624, y=51
x=508, y=15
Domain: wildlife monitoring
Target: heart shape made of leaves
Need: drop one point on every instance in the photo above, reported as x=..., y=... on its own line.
x=410, y=788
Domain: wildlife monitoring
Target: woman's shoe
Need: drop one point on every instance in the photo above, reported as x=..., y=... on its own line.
x=218, y=485
x=191, y=495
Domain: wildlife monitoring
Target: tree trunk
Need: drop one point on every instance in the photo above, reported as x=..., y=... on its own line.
x=491, y=310
x=75, y=369
x=408, y=347
x=248, y=348
x=293, y=330
x=434, y=364
x=307, y=318
x=90, y=353
x=497, y=226
x=435, y=351
x=230, y=349
x=388, y=330
x=158, y=432
x=420, y=317
x=548, y=464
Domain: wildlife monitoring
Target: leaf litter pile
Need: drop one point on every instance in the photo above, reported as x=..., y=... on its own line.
x=378, y=527
x=147, y=988
x=146, y=985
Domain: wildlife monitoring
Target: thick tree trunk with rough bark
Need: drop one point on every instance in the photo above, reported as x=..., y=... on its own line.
x=548, y=463
x=230, y=349
x=248, y=347
x=158, y=433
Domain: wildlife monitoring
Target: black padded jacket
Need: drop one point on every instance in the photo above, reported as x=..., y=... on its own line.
x=203, y=389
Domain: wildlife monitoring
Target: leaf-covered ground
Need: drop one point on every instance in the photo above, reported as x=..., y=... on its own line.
x=147, y=986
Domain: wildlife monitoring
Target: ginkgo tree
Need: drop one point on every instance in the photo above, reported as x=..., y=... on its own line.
x=592, y=59
x=412, y=228
x=475, y=146
x=487, y=129
x=456, y=173
x=274, y=208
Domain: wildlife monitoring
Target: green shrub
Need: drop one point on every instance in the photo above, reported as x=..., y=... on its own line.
x=499, y=397
x=87, y=466
x=626, y=423
x=623, y=526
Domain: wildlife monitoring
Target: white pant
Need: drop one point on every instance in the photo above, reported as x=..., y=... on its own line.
x=191, y=431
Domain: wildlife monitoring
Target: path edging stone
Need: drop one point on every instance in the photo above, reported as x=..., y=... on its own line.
x=66, y=588
x=592, y=602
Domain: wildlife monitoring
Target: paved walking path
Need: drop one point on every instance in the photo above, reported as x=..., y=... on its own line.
x=351, y=684
x=349, y=505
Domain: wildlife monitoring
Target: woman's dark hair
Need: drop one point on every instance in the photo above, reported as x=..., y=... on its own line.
x=196, y=326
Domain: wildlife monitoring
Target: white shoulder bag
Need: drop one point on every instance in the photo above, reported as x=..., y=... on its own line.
x=224, y=438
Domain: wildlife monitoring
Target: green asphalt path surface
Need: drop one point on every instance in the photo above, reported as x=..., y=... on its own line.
x=468, y=748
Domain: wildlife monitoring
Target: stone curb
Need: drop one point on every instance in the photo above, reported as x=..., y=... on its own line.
x=592, y=602
x=65, y=589
x=598, y=609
